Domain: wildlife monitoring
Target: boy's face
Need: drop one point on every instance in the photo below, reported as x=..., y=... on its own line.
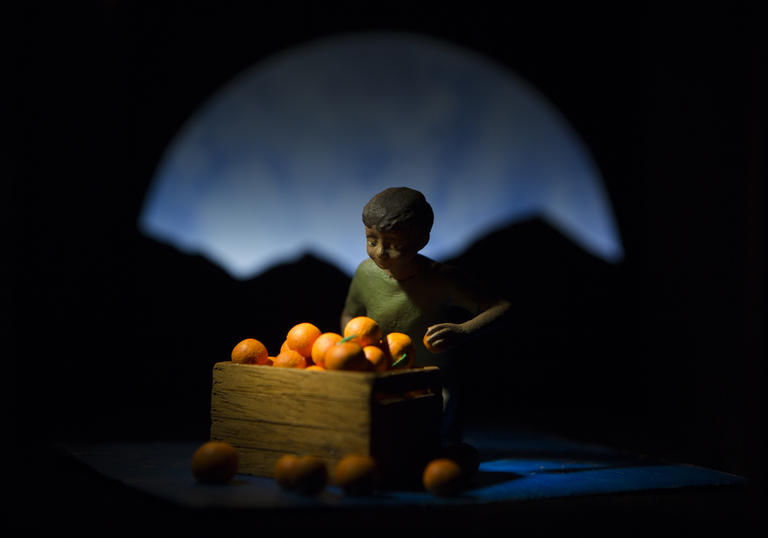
x=393, y=251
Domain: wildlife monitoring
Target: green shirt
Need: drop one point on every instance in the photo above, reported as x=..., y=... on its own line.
x=436, y=294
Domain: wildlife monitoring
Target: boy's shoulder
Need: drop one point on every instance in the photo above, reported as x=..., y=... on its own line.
x=444, y=270
x=457, y=278
x=365, y=268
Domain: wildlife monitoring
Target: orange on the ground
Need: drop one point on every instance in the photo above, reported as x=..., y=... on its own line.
x=443, y=477
x=308, y=475
x=214, y=462
x=285, y=471
x=356, y=474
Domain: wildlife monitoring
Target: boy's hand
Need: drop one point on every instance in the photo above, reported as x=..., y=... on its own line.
x=444, y=336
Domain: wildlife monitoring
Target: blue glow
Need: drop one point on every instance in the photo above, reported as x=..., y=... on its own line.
x=282, y=159
x=508, y=480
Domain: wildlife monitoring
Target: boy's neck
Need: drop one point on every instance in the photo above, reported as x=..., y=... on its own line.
x=409, y=271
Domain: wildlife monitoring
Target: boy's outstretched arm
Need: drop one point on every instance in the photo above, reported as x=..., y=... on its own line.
x=444, y=336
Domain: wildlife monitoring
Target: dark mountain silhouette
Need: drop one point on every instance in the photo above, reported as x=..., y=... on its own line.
x=148, y=322
x=539, y=269
x=194, y=314
x=143, y=325
x=567, y=336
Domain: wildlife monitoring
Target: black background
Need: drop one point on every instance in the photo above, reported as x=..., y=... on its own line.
x=114, y=335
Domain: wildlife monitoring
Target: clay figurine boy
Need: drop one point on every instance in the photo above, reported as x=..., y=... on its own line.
x=407, y=292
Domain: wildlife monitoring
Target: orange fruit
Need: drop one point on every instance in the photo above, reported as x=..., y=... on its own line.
x=356, y=474
x=321, y=345
x=250, y=351
x=315, y=367
x=443, y=477
x=464, y=454
x=285, y=471
x=346, y=356
x=306, y=475
x=400, y=349
x=290, y=359
x=377, y=358
x=428, y=345
x=301, y=337
x=366, y=331
x=214, y=462
x=285, y=346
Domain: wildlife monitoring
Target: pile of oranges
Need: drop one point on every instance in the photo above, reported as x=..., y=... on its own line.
x=363, y=347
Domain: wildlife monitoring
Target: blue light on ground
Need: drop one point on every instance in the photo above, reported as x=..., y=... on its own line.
x=281, y=160
x=550, y=469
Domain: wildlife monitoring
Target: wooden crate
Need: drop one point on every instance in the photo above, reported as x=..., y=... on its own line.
x=266, y=412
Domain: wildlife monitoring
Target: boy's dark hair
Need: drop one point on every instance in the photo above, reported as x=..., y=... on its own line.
x=399, y=208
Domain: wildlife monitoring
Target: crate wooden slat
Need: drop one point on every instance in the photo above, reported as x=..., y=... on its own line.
x=266, y=412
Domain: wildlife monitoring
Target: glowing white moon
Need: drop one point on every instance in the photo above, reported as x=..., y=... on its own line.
x=281, y=161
